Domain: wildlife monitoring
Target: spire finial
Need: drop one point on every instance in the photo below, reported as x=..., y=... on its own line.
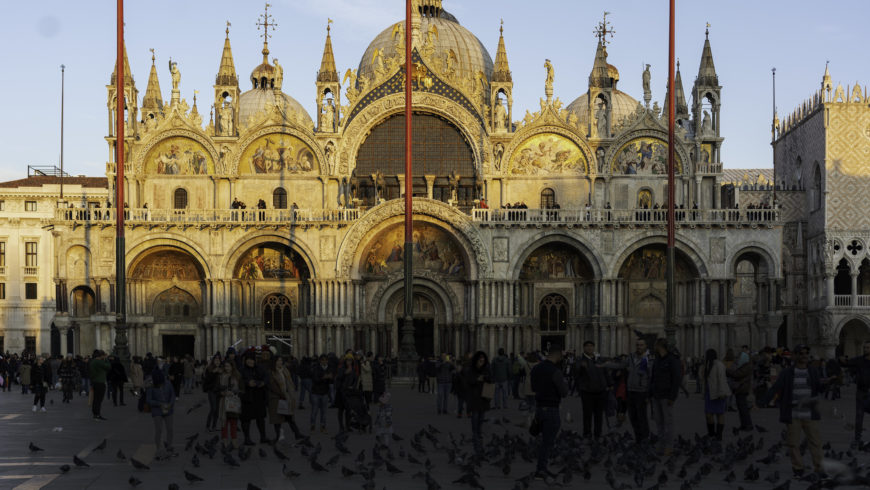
x=603, y=29
x=501, y=29
x=152, y=56
x=266, y=21
x=707, y=32
x=328, y=25
x=228, y=29
x=678, y=64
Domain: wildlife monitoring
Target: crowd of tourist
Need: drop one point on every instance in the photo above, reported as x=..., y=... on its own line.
x=252, y=387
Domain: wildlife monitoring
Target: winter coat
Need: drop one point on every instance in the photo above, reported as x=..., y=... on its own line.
x=501, y=369
x=161, y=399
x=40, y=375
x=784, y=386
x=365, y=375
x=716, y=384
x=98, y=369
x=137, y=377
x=24, y=372
x=117, y=373
x=67, y=372
x=667, y=376
x=742, y=377
x=230, y=384
x=189, y=369
x=320, y=380
x=444, y=372
x=527, y=382
x=346, y=384
x=254, y=398
x=379, y=377
x=592, y=376
x=473, y=388
x=639, y=371
x=281, y=391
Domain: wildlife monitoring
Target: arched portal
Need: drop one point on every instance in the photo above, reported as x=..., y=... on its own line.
x=852, y=337
x=643, y=286
x=277, y=322
x=83, y=302
x=553, y=320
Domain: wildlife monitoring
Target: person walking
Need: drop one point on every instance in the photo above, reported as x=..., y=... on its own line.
x=117, y=378
x=98, y=368
x=40, y=377
x=639, y=367
x=444, y=378
x=501, y=371
x=459, y=387
x=740, y=375
x=254, y=398
x=798, y=387
x=211, y=387
x=346, y=385
x=137, y=376
x=716, y=393
x=161, y=398
x=550, y=387
x=474, y=378
x=365, y=377
x=24, y=371
x=667, y=376
x=594, y=382
x=322, y=377
x=379, y=377
x=282, y=399
x=67, y=373
x=230, y=406
x=189, y=373
x=305, y=382
x=176, y=374
x=860, y=370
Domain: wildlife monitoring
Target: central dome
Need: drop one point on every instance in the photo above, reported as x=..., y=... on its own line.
x=623, y=106
x=472, y=55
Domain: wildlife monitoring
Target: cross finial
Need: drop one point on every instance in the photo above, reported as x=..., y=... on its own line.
x=152, y=56
x=603, y=29
x=266, y=21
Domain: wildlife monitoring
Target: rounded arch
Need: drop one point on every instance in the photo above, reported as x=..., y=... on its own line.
x=83, y=302
x=180, y=198
x=774, y=266
x=682, y=153
x=278, y=312
x=154, y=138
x=690, y=251
x=78, y=262
x=252, y=137
x=423, y=283
x=361, y=124
x=528, y=132
x=542, y=239
x=167, y=241
x=851, y=332
x=354, y=243
x=176, y=304
x=253, y=239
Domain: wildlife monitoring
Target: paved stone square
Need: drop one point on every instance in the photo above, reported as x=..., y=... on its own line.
x=67, y=430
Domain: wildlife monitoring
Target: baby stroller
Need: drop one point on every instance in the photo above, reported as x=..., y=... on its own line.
x=356, y=412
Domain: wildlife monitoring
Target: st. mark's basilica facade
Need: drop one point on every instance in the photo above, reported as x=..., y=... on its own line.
x=258, y=223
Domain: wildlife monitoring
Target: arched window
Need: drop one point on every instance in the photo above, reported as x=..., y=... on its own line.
x=554, y=313
x=817, y=188
x=279, y=198
x=276, y=313
x=180, y=199
x=548, y=198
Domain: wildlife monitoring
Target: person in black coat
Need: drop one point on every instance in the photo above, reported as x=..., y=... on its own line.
x=40, y=376
x=474, y=377
x=254, y=398
x=117, y=377
x=379, y=377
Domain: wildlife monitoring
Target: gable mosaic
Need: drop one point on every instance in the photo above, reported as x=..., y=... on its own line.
x=178, y=156
x=548, y=154
x=434, y=250
x=644, y=156
x=277, y=153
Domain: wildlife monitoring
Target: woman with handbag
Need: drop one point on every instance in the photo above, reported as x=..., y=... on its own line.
x=282, y=401
x=161, y=399
x=229, y=403
x=254, y=398
x=475, y=379
x=716, y=393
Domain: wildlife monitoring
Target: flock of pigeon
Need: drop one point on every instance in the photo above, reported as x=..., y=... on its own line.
x=625, y=464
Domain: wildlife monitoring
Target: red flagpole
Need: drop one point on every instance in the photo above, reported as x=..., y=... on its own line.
x=670, y=327
x=121, y=348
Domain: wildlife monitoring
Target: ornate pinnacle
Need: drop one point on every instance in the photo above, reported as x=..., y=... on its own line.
x=604, y=28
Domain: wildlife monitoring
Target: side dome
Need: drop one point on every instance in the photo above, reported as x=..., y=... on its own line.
x=473, y=56
x=258, y=99
x=623, y=105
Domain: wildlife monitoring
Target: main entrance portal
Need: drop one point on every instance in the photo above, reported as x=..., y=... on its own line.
x=178, y=345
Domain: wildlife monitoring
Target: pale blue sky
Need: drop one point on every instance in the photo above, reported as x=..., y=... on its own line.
x=748, y=38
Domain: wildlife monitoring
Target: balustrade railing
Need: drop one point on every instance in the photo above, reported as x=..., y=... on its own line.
x=144, y=215
x=626, y=216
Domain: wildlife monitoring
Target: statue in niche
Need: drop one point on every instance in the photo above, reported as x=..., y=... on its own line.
x=279, y=77
x=706, y=124
x=176, y=74
x=226, y=118
x=599, y=155
x=500, y=115
x=330, y=157
x=647, y=93
x=498, y=153
x=354, y=185
x=453, y=181
x=601, y=119
x=380, y=184
x=327, y=121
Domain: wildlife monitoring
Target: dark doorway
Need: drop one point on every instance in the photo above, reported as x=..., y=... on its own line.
x=424, y=336
x=71, y=340
x=548, y=340
x=178, y=345
x=55, y=341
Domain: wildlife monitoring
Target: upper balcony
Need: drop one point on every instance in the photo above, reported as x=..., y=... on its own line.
x=486, y=217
